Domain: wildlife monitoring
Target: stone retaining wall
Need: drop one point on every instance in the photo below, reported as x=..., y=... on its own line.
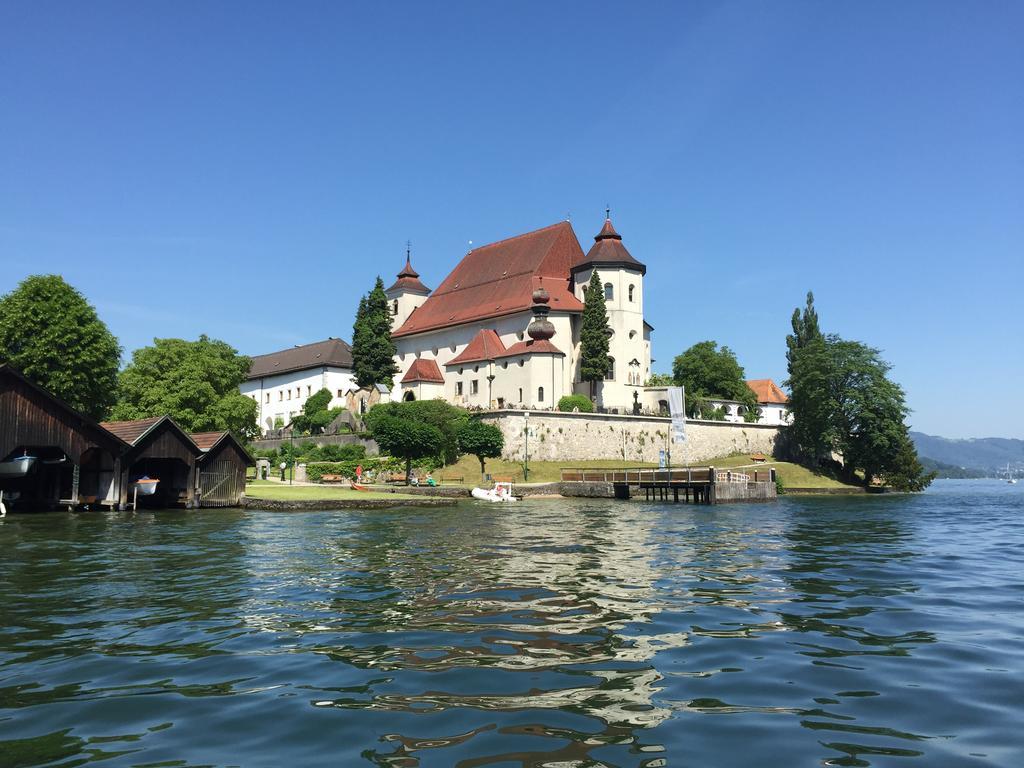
x=555, y=436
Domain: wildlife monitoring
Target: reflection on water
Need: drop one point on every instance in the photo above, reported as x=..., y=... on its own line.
x=817, y=631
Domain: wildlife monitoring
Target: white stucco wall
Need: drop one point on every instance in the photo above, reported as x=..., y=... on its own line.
x=628, y=341
x=527, y=373
x=283, y=395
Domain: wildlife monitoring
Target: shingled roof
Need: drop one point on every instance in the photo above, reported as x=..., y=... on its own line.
x=333, y=353
x=423, y=369
x=499, y=279
x=486, y=345
x=609, y=250
x=131, y=431
x=767, y=391
x=408, y=280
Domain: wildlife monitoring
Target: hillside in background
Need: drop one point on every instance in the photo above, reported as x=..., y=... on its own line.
x=988, y=453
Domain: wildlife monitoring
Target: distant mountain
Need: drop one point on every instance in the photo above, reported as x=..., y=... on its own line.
x=977, y=452
x=949, y=471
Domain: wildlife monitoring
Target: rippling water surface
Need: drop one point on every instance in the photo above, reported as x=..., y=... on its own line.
x=853, y=631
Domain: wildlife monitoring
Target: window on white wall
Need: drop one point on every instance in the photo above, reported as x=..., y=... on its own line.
x=610, y=376
x=540, y=394
x=458, y=388
x=609, y=291
x=631, y=288
x=474, y=386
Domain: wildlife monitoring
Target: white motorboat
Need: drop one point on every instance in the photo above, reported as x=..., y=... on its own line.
x=146, y=486
x=500, y=492
x=17, y=467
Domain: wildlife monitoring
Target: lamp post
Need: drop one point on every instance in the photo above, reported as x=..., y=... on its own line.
x=526, y=448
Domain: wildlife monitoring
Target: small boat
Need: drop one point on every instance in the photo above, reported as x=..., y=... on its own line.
x=146, y=486
x=17, y=467
x=500, y=492
x=358, y=487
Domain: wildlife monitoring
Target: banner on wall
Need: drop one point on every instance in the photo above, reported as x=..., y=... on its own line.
x=677, y=409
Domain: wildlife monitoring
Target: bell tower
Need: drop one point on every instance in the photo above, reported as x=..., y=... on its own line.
x=406, y=294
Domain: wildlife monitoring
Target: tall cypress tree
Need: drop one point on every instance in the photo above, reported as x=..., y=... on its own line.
x=373, y=350
x=594, y=333
x=805, y=331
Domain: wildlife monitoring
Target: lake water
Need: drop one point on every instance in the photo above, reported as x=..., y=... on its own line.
x=883, y=631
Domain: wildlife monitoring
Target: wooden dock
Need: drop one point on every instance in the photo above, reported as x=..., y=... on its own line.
x=691, y=485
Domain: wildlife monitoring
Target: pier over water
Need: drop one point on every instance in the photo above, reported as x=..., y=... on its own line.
x=697, y=485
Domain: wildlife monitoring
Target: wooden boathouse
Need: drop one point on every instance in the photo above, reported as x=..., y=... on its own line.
x=222, y=465
x=160, y=449
x=76, y=461
x=697, y=485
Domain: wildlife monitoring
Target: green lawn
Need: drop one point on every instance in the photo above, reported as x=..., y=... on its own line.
x=792, y=475
x=265, y=489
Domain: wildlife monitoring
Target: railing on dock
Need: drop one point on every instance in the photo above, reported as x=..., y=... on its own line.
x=644, y=475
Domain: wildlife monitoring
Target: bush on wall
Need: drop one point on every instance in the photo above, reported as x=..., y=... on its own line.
x=578, y=402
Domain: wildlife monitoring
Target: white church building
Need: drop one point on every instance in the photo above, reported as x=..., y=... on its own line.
x=503, y=329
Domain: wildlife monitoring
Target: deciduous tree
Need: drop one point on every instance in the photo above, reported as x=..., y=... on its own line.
x=485, y=441
x=709, y=372
x=195, y=382
x=50, y=333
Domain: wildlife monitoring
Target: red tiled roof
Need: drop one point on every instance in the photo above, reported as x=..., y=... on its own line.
x=767, y=391
x=484, y=346
x=409, y=280
x=499, y=279
x=532, y=347
x=423, y=369
x=131, y=431
x=608, y=249
x=206, y=440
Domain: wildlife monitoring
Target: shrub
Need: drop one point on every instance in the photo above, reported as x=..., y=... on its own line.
x=582, y=402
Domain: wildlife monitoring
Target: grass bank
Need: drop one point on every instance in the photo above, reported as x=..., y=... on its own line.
x=468, y=468
x=266, y=489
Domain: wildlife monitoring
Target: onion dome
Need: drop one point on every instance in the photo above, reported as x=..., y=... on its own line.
x=541, y=329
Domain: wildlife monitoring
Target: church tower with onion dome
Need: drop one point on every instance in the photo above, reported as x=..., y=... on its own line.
x=629, y=346
x=406, y=293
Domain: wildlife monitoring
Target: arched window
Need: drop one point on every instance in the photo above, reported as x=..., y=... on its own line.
x=609, y=291
x=540, y=394
x=394, y=308
x=610, y=376
x=631, y=292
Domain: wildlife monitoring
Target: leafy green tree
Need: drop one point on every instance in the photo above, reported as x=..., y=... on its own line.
x=315, y=415
x=594, y=334
x=407, y=439
x=447, y=419
x=709, y=372
x=485, y=441
x=660, y=380
x=805, y=330
x=50, y=333
x=195, y=382
x=373, y=349
x=843, y=402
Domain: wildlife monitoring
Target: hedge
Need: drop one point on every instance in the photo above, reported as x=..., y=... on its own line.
x=582, y=402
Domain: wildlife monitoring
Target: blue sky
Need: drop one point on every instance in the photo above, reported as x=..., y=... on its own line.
x=245, y=169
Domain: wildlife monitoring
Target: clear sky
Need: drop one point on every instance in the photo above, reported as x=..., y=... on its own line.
x=246, y=169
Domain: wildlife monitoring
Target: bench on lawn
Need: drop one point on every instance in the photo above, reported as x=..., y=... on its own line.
x=453, y=479
x=504, y=478
x=332, y=479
